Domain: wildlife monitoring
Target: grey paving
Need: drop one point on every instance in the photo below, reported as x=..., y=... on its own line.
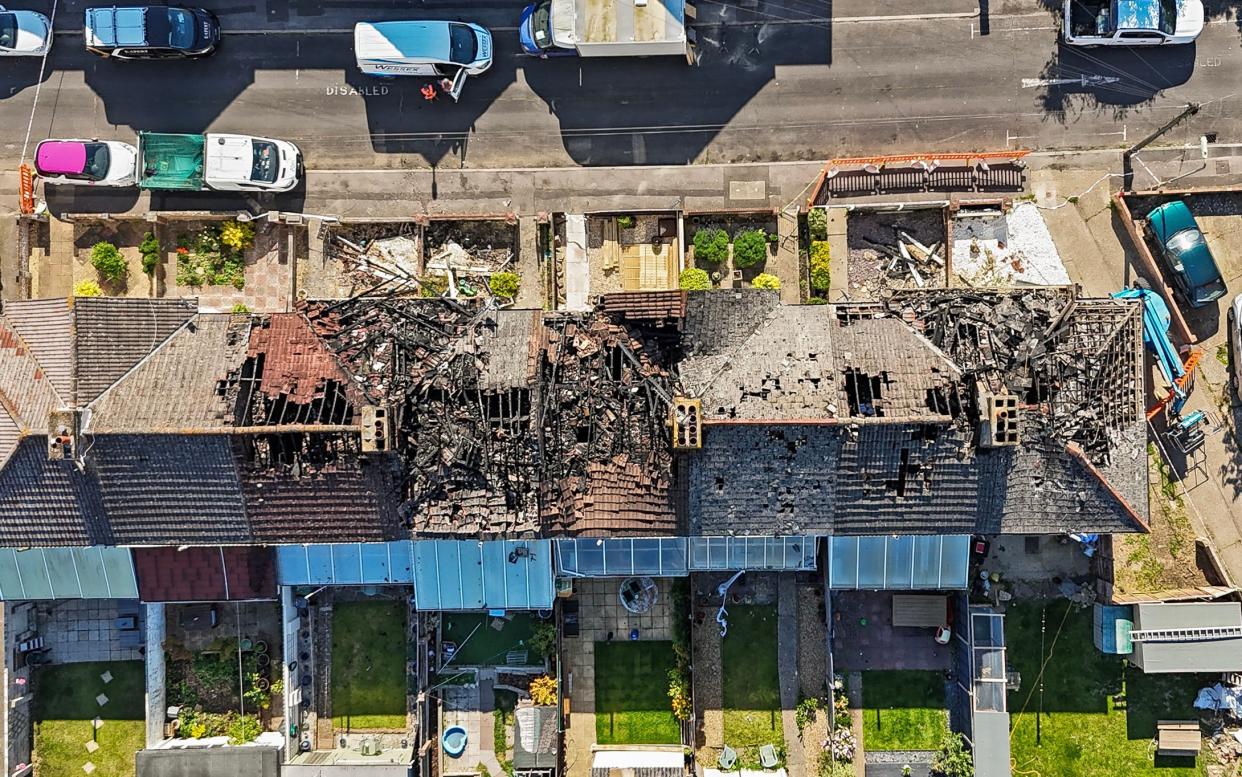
x=80, y=630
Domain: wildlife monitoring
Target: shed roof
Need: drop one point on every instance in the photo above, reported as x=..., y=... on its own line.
x=1195, y=649
x=250, y=760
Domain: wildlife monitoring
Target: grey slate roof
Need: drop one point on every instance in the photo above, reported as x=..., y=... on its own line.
x=46, y=326
x=178, y=386
x=48, y=503
x=250, y=761
x=112, y=334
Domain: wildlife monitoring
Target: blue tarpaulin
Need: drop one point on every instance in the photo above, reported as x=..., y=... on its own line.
x=472, y=575
x=67, y=573
x=881, y=563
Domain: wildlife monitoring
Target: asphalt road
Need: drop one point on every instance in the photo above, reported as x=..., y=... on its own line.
x=781, y=80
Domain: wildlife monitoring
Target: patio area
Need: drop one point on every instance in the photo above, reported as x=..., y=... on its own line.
x=77, y=630
x=88, y=718
x=866, y=639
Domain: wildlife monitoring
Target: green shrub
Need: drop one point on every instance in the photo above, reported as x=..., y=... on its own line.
x=432, y=286
x=625, y=222
x=953, y=759
x=505, y=284
x=150, y=248
x=816, y=301
x=817, y=223
x=237, y=235
x=694, y=279
x=821, y=266
x=244, y=729
x=543, y=638
x=240, y=307
x=87, y=288
x=205, y=260
x=766, y=281
x=804, y=713
x=108, y=262
x=711, y=245
x=750, y=247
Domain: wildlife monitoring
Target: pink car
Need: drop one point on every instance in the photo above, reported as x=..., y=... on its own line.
x=86, y=162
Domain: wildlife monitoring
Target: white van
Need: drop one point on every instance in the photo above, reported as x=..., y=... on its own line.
x=451, y=50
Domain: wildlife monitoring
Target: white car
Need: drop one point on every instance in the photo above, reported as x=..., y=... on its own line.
x=1235, y=342
x=87, y=162
x=245, y=163
x=24, y=33
x=1131, y=22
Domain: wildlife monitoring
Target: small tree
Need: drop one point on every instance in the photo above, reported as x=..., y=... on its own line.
x=750, y=247
x=817, y=223
x=952, y=759
x=150, y=248
x=711, y=245
x=87, y=288
x=237, y=235
x=694, y=279
x=543, y=638
x=108, y=262
x=766, y=281
x=821, y=273
x=505, y=284
x=543, y=690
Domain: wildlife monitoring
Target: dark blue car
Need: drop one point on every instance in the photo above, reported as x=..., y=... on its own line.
x=1185, y=253
x=537, y=34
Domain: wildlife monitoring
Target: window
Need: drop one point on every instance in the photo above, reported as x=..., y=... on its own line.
x=97, y=161
x=181, y=28
x=8, y=30
x=463, y=46
x=266, y=162
x=541, y=25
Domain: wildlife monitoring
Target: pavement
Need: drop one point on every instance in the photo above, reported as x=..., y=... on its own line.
x=785, y=80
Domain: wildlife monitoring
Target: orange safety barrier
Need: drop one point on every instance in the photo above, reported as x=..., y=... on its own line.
x=953, y=157
x=1186, y=383
x=27, y=189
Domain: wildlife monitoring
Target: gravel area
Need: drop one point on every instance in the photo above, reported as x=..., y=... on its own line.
x=812, y=642
x=708, y=690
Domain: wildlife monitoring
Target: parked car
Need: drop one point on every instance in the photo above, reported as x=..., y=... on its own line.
x=1235, y=345
x=151, y=32
x=24, y=33
x=1091, y=23
x=88, y=162
x=444, y=50
x=1185, y=253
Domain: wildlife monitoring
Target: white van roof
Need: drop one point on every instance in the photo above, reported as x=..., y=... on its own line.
x=409, y=41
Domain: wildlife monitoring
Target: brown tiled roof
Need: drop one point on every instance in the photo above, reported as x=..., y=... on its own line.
x=645, y=306
x=46, y=327
x=180, y=385
x=205, y=573
x=112, y=334
x=618, y=497
x=295, y=361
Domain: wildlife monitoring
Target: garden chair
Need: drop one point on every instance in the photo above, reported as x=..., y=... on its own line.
x=728, y=757
x=767, y=757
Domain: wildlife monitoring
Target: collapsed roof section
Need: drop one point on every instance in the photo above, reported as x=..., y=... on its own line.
x=513, y=423
x=938, y=411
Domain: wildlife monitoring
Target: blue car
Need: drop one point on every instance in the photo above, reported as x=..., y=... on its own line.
x=537, y=31
x=1185, y=253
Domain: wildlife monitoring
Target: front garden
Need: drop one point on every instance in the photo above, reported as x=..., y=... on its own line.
x=67, y=702
x=368, y=665
x=730, y=251
x=228, y=689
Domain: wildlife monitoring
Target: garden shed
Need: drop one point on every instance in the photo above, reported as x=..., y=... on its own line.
x=1187, y=637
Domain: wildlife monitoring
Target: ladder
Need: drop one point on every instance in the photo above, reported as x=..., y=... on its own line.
x=1196, y=634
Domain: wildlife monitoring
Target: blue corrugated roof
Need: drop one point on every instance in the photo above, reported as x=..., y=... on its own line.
x=349, y=563
x=67, y=573
x=471, y=575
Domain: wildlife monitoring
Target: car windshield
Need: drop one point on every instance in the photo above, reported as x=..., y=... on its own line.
x=1168, y=16
x=540, y=26
x=181, y=28
x=266, y=162
x=462, y=44
x=1211, y=292
x=97, y=161
x=1185, y=241
x=8, y=30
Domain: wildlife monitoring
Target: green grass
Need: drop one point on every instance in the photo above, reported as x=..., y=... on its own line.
x=752, y=688
x=488, y=646
x=368, y=665
x=65, y=706
x=632, y=706
x=1099, y=717
x=903, y=710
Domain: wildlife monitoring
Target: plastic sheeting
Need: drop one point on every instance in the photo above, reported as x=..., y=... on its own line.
x=67, y=573
x=678, y=556
x=882, y=563
x=1220, y=697
x=472, y=575
x=348, y=563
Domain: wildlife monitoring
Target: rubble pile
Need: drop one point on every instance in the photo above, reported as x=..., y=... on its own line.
x=501, y=433
x=1074, y=360
x=894, y=251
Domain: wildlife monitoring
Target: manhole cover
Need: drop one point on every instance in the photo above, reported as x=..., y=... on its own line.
x=1222, y=167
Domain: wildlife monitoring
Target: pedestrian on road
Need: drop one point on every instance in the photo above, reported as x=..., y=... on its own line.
x=429, y=92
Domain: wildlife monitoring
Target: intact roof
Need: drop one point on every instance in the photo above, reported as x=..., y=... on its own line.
x=1218, y=654
x=205, y=574
x=112, y=334
x=27, y=395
